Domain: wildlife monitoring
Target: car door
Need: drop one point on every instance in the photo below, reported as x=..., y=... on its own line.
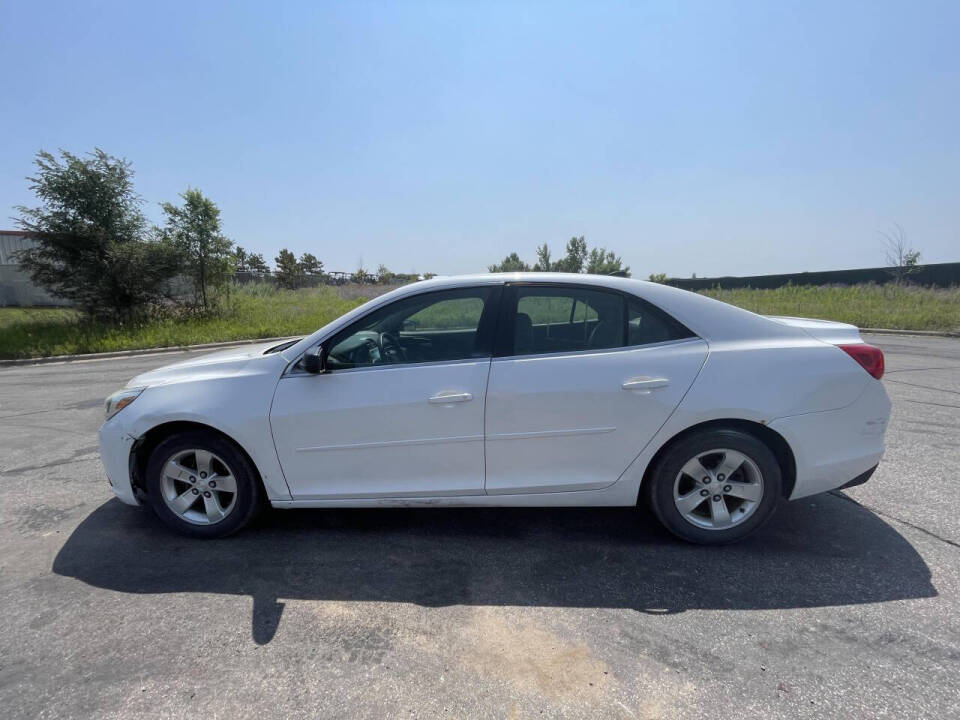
x=399, y=411
x=582, y=379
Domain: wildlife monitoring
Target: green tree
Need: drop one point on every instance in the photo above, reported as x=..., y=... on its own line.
x=289, y=272
x=384, y=276
x=310, y=265
x=511, y=263
x=257, y=264
x=361, y=276
x=240, y=257
x=575, y=258
x=605, y=262
x=92, y=244
x=194, y=230
x=658, y=278
x=543, y=263
x=902, y=259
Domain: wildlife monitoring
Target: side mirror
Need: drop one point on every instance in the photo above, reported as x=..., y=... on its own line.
x=315, y=360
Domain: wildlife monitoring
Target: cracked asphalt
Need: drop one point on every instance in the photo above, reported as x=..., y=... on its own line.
x=845, y=605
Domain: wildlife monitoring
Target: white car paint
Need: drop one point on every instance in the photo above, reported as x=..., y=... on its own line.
x=388, y=436
x=379, y=433
x=828, y=330
x=574, y=409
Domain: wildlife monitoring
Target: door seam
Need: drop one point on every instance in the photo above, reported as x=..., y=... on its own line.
x=486, y=393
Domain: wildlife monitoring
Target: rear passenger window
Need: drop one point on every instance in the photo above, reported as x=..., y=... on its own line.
x=647, y=324
x=569, y=319
x=551, y=319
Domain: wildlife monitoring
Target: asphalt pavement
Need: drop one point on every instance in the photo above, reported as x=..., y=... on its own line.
x=844, y=605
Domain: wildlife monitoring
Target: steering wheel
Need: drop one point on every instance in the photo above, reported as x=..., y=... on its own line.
x=391, y=351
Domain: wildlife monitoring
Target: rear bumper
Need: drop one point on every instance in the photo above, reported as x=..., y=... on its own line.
x=115, y=444
x=837, y=448
x=859, y=479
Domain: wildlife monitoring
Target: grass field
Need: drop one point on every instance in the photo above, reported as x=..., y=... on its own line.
x=874, y=306
x=260, y=311
x=250, y=312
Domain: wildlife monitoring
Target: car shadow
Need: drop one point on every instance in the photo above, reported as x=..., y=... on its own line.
x=823, y=551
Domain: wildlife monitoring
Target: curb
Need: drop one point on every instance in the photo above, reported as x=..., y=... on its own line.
x=918, y=333
x=144, y=351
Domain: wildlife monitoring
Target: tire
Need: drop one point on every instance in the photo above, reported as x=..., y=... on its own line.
x=197, y=502
x=714, y=508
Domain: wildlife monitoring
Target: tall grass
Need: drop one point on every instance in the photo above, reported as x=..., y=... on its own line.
x=900, y=307
x=258, y=311
x=254, y=311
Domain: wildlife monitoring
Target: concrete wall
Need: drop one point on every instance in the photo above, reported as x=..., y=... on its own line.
x=16, y=288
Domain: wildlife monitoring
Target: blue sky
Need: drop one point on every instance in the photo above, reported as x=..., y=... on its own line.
x=706, y=137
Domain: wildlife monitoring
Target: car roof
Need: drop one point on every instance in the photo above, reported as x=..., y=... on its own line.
x=520, y=277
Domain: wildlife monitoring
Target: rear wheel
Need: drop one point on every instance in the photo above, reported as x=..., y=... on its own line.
x=715, y=487
x=202, y=485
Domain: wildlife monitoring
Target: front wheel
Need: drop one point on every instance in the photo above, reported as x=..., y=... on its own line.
x=202, y=485
x=715, y=487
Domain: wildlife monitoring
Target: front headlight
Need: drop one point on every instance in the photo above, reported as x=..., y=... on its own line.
x=120, y=399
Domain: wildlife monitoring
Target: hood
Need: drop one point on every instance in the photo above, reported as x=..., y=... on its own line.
x=836, y=333
x=217, y=364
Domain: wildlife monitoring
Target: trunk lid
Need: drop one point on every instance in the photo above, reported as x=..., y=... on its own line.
x=836, y=333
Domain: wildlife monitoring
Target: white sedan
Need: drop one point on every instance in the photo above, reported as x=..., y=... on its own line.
x=510, y=390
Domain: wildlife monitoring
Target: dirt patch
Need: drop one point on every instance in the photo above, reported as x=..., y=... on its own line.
x=531, y=657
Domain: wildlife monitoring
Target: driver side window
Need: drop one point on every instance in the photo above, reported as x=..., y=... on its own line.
x=441, y=326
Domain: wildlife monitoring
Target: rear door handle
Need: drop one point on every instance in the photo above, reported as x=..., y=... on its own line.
x=645, y=384
x=446, y=398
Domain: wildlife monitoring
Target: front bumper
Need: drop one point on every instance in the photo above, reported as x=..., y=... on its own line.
x=115, y=445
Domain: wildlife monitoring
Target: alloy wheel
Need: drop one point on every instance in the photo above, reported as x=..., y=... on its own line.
x=718, y=489
x=198, y=486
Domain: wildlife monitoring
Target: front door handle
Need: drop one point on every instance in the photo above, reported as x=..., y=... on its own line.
x=446, y=398
x=645, y=384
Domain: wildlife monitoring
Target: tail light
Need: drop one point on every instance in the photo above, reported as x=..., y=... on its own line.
x=870, y=357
